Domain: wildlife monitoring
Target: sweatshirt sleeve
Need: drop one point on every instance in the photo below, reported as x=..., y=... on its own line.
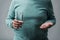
x=50, y=14
x=11, y=15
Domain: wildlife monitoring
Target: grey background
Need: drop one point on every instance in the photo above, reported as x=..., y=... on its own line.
x=7, y=34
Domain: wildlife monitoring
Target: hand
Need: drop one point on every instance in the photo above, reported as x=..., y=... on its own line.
x=46, y=25
x=17, y=23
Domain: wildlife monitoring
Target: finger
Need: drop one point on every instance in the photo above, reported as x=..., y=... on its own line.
x=14, y=26
x=51, y=24
x=16, y=23
x=43, y=27
x=16, y=20
x=21, y=22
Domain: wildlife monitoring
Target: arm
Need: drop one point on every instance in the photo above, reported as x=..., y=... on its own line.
x=51, y=17
x=51, y=20
x=11, y=15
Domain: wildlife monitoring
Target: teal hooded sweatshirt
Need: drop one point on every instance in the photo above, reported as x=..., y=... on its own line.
x=33, y=13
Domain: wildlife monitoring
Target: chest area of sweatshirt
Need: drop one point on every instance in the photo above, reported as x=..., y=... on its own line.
x=29, y=8
x=30, y=5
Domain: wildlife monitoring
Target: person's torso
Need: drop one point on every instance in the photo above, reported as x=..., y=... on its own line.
x=34, y=14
